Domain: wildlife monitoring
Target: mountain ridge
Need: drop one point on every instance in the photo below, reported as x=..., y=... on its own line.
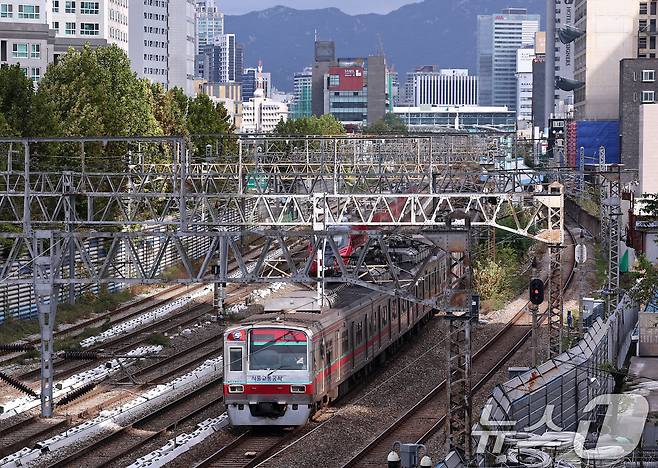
x=413, y=35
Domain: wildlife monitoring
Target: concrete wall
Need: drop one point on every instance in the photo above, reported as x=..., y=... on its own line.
x=648, y=149
x=630, y=102
x=611, y=27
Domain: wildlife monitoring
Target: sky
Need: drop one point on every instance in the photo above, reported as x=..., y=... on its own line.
x=352, y=7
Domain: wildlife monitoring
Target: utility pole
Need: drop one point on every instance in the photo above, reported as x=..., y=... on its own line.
x=534, y=310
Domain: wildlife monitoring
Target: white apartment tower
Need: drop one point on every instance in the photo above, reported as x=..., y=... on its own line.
x=25, y=38
x=162, y=44
x=98, y=23
x=611, y=34
x=524, y=81
x=452, y=87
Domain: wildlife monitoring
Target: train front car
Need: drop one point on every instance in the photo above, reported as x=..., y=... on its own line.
x=267, y=375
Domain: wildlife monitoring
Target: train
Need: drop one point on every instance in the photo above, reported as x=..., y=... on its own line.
x=349, y=241
x=283, y=365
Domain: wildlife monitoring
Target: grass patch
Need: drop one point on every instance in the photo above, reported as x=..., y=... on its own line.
x=90, y=303
x=498, y=281
x=601, y=267
x=13, y=329
x=158, y=339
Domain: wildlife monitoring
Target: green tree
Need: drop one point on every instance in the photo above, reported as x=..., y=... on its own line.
x=390, y=124
x=646, y=280
x=169, y=110
x=324, y=125
x=23, y=113
x=209, y=120
x=16, y=94
x=94, y=92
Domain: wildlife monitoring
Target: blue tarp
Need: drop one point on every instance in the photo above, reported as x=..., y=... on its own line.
x=592, y=134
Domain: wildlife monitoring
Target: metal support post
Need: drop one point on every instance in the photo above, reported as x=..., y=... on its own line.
x=581, y=175
x=459, y=356
x=459, y=387
x=534, y=310
x=603, y=196
x=613, y=209
x=555, y=303
x=69, y=211
x=46, y=266
x=219, y=293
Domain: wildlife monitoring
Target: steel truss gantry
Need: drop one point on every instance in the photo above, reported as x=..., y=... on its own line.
x=264, y=196
x=611, y=232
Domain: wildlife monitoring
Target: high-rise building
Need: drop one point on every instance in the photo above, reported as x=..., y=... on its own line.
x=325, y=57
x=162, y=49
x=408, y=95
x=249, y=82
x=209, y=23
x=539, y=82
x=262, y=114
x=611, y=34
x=524, y=59
x=452, y=87
x=239, y=62
x=97, y=23
x=25, y=38
x=638, y=86
x=33, y=33
x=302, y=103
x=499, y=37
x=218, y=62
x=648, y=30
x=355, y=90
x=565, y=18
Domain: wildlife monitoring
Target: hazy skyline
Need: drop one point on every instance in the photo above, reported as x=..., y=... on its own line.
x=352, y=7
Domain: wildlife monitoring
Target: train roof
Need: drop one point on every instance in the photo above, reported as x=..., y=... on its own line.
x=297, y=305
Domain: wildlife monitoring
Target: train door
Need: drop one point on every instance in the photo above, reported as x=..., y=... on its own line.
x=399, y=311
x=328, y=360
x=321, y=366
x=390, y=320
x=353, y=344
x=379, y=325
x=366, y=332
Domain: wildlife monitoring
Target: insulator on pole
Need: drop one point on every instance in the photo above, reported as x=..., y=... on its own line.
x=75, y=394
x=16, y=347
x=81, y=355
x=17, y=384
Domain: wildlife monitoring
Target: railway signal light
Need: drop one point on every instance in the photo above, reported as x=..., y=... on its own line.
x=536, y=291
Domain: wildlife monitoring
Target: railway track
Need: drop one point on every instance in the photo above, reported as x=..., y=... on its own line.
x=126, y=312
x=429, y=415
x=120, y=314
x=257, y=443
x=126, y=440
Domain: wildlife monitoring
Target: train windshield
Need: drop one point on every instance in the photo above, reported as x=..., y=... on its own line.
x=277, y=349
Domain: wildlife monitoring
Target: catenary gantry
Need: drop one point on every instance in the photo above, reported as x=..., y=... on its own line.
x=120, y=192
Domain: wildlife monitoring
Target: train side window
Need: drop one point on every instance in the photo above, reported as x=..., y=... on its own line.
x=359, y=332
x=344, y=342
x=385, y=316
x=235, y=359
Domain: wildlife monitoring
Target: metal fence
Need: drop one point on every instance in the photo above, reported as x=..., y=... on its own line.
x=559, y=389
x=17, y=300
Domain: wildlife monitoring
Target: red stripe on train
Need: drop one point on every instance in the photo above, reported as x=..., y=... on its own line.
x=269, y=389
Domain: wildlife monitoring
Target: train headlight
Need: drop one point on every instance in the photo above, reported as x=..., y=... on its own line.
x=298, y=388
x=236, y=388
